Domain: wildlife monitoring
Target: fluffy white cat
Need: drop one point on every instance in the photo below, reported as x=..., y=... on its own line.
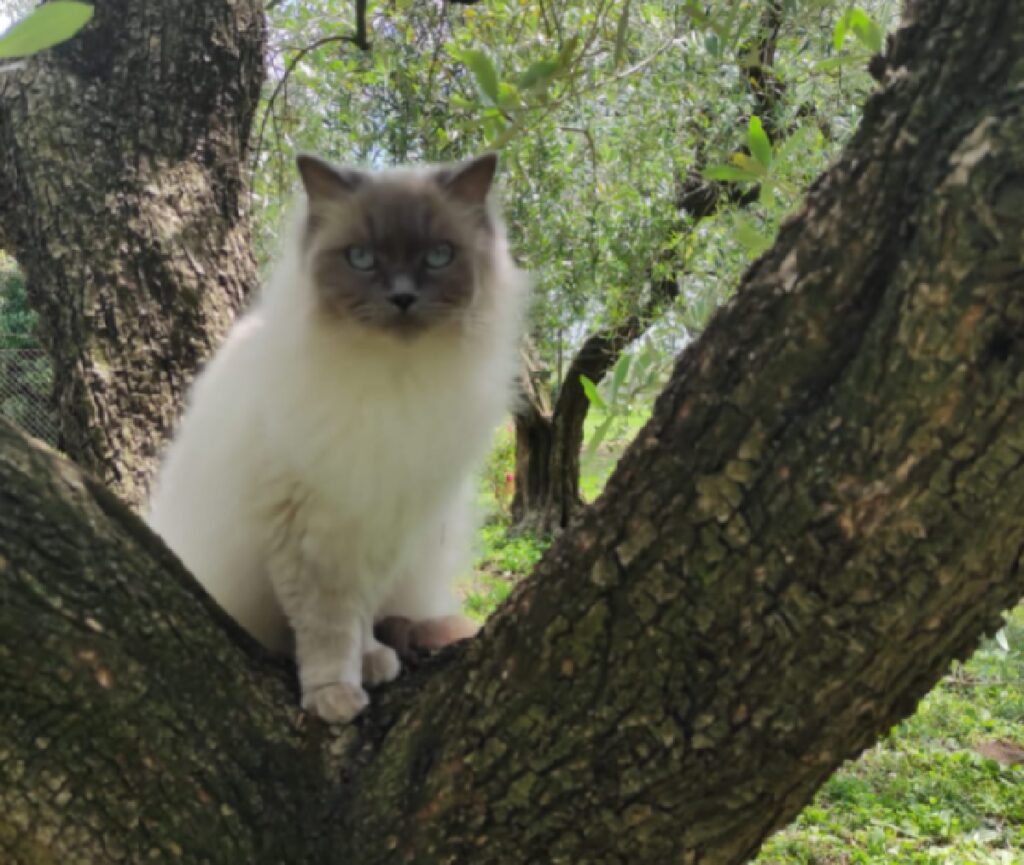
x=321, y=477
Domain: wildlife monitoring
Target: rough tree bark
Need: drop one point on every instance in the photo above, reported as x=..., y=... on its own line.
x=121, y=196
x=822, y=512
x=549, y=439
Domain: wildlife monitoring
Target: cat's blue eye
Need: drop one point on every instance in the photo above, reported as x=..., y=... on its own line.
x=440, y=255
x=360, y=257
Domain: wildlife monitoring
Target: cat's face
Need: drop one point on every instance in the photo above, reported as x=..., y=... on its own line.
x=397, y=251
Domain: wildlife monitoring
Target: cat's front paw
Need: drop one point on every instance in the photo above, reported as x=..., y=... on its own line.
x=380, y=665
x=337, y=703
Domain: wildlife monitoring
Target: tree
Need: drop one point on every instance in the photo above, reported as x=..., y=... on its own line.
x=549, y=439
x=95, y=156
x=822, y=512
x=549, y=420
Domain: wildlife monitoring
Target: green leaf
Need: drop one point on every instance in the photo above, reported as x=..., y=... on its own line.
x=494, y=126
x=568, y=50
x=620, y=34
x=863, y=27
x=729, y=173
x=747, y=234
x=45, y=27
x=508, y=94
x=839, y=33
x=484, y=71
x=757, y=141
x=751, y=166
x=619, y=376
x=599, y=435
x=868, y=33
x=538, y=73
x=590, y=389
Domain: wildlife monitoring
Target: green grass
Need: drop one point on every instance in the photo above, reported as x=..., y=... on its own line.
x=504, y=559
x=922, y=796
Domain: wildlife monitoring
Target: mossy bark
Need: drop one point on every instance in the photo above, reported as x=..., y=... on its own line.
x=122, y=155
x=823, y=511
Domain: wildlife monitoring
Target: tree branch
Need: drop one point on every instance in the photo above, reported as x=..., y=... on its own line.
x=358, y=40
x=166, y=724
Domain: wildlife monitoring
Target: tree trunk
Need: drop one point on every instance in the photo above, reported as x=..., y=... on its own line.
x=121, y=196
x=549, y=441
x=822, y=512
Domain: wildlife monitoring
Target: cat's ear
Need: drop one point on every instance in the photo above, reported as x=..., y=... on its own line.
x=322, y=180
x=470, y=181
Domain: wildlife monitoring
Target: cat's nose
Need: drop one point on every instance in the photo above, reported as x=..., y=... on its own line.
x=403, y=299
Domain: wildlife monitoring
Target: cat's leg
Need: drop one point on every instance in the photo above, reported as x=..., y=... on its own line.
x=423, y=612
x=329, y=632
x=408, y=638
x=436, y=633
x=380, y=662
x=329, y=619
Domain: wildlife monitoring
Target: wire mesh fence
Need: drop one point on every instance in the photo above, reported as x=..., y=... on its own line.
x=26, y=379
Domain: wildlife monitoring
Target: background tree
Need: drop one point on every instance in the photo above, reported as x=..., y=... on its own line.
x=124, y=204
x=821, y=512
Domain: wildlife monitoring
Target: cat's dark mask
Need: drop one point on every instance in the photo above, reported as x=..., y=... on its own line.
x=399, y=250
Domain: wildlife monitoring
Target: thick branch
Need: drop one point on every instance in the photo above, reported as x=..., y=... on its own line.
x=549, y=441
x=595, y=358
x=136, y=719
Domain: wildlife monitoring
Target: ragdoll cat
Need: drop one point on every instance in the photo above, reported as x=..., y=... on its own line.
x=321, y=476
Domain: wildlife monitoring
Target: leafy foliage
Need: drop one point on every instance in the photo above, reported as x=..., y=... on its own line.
x=46, y=26
x=17, y=320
